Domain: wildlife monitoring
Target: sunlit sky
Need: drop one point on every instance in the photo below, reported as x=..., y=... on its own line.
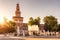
x=30, y=8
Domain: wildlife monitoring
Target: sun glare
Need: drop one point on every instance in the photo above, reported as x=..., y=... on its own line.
x=1, y=20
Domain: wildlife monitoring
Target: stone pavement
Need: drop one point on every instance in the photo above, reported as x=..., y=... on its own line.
x=26, y=38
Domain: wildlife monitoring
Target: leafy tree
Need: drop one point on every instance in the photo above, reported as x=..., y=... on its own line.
x=35, y=21
x=50, y=23
x=30, y=22
x=7, y=27
x=11, y=27
x=5, y=20
x=59, y=27
x=4, y=26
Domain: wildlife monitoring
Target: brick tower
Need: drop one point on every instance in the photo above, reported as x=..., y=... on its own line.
x=17, y=18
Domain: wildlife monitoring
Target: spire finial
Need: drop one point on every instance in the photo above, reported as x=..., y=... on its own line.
x=17, y=6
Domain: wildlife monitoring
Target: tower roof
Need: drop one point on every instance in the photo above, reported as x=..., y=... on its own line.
x=18, y=12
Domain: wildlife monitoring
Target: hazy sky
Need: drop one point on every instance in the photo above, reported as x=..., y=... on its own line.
x=30, y=8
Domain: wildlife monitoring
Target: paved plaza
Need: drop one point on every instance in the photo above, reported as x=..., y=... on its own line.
x=26, y=38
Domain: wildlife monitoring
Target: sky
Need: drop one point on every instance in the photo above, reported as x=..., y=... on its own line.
x=30, y=8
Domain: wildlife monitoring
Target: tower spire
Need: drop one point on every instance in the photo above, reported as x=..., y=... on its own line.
x=17, y=16
x=17, y=12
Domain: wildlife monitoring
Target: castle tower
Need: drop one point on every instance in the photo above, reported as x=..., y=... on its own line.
x=18, y=12
x=17, y=18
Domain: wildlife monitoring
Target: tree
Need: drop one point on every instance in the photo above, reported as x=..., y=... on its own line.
x=7, y=27
x=11, y=27
x=5, y=20
x=59, y=27
x=35, y=21
x=4, y=26
x=30, y=22
x=50, y=23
